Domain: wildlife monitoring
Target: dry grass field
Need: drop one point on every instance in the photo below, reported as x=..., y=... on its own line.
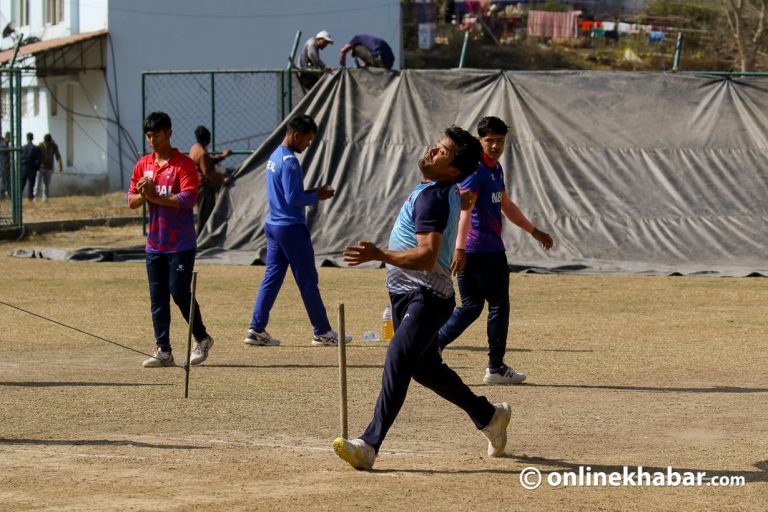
x=623, y=371
x=74, y=207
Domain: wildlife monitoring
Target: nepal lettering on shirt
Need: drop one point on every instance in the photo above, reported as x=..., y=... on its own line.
x=169, y=229
x=162, y=190
x=487, y=183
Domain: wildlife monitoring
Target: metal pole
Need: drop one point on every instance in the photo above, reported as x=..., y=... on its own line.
x=678, y=51
x=213, y=112
x=18, y=217
x=289, y=72
x=464, y=49
x=143, y=147
x=189, y=335
x=343, y=370
x=16, y=49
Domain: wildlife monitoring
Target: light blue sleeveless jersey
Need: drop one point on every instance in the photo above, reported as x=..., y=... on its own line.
x=403, y=237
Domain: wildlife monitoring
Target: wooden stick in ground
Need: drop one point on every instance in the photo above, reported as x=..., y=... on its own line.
x=189, y=335
x=343, y=370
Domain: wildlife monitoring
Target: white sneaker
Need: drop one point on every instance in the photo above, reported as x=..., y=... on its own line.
x=496, y=430
x=329, y=339
x=358, y=453
x=260, y=339
x=507, y=376
x=200, y=350
x=159, y=359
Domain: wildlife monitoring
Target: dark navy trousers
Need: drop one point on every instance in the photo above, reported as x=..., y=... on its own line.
x=485, y=278
x=290, y=245
x=413, y=354
x=170, y=275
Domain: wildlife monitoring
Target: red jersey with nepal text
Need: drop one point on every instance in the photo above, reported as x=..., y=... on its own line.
x=170, y=229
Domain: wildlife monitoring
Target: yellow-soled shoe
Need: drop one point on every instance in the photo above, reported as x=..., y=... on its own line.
x=357, y=453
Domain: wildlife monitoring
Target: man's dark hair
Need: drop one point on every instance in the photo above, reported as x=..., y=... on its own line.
x=30, y=136
x=157, y=121
x=490, y=124
x=47, y=137
x=302, y=123
x=202, y=135
x=468, y=151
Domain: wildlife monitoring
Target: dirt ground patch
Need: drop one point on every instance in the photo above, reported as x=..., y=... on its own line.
x=623, y=371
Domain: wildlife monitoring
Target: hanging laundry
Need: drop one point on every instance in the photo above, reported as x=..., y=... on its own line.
x=655, y=37
x=553, y=24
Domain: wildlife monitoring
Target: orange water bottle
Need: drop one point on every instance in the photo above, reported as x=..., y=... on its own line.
x=387, y=328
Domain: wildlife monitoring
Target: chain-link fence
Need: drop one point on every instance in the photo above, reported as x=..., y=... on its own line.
x=240, y=107
x=10, y=147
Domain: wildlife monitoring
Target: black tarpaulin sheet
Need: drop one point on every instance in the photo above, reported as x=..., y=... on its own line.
x=630, y=172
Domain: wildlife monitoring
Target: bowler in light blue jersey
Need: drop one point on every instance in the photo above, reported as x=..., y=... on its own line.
x=419, y=281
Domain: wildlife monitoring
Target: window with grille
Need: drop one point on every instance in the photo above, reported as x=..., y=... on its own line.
x=20, y=10
x=54, y=11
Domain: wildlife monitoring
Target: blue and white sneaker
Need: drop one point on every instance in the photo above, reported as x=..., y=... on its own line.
x=329, y=339
x=260, y=339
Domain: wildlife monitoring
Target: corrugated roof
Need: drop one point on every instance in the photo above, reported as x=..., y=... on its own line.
x=50, y=44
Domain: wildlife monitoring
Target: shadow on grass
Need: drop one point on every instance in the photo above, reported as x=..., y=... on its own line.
x=303, y=366
x=96, y=442
x=467, y=348
x=485, y=349
x=713, y=389
x=54, y=384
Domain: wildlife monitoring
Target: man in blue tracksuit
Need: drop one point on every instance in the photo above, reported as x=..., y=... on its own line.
x=288, y=240
x=421, y=289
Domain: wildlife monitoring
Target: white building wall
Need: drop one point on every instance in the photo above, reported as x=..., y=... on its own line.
x=175, y=35
x=82, y=141
x=93, y=15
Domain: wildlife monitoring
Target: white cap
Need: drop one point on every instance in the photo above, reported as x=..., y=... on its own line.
x=323, y=34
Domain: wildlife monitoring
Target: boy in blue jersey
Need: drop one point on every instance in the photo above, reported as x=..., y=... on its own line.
x=480, y=259
x=288, y=240
x=421, y=290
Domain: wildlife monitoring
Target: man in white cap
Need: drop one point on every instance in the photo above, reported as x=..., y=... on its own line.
x=310, y=59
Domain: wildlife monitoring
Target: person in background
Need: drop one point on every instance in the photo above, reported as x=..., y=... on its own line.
x=288, y=239
x=373, y=51
x=480, y=259
x=49, y=151
x=310, y=63
x=210, y=180
x=166, y=181
x=30, y=163
x=5, y=165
